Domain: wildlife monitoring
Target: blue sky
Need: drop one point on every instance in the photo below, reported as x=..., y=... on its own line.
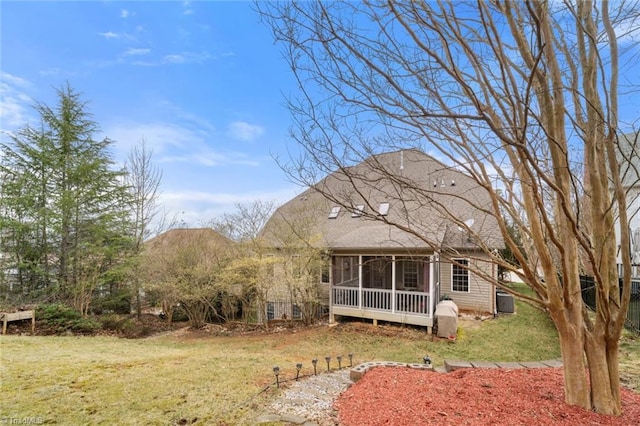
x=202, y=82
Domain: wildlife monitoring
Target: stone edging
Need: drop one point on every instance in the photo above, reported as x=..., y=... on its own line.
x=358, y=371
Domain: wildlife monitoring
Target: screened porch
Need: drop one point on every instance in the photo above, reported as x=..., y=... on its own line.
x=389, y=288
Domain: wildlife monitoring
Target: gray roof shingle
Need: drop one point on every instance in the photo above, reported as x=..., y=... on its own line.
x=423, y=196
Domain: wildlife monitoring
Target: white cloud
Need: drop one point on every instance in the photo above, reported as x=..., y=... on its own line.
x=161, y=137
x=244, y=131
x=176, y=59
x=196, y=208
x=136, y=52
x=187, y=143
x=15, y=102
x=124, y=13
x=109, y=34
x=627, y=31
x=186, y=8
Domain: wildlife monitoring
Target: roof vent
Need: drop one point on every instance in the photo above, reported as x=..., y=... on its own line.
x=384, y=209
x=453, y=182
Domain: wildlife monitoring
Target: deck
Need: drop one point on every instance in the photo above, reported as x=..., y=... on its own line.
x=406, y=307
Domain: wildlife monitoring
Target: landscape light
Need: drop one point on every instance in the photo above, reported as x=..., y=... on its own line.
x=427, y=360
x=276, y=371
x=339, y=358
x=350, y=360
x=298, y=368
x=315, y=364
x=328, y=359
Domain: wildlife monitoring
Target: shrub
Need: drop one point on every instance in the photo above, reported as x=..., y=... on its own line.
x=63, y=318
x=116, y=323
x=117, y=303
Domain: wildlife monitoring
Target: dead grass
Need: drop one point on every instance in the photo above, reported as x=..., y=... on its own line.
x=198, y=378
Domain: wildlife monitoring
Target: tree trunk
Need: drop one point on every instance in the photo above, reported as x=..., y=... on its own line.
x=576, y=384
x=602, y=357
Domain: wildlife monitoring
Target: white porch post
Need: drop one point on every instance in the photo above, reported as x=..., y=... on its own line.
x=332, y=317
x=432, y=282
x=393, y=284
x=360, y=282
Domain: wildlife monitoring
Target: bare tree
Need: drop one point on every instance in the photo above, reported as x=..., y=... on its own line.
x=143, y=181
x=244, y=224
x=184, y=267
x=292, y=233
x=520, y=96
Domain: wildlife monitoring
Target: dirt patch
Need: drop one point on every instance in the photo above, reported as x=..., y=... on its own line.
x=402, y=396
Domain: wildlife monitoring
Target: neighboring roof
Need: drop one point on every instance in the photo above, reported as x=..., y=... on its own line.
x=180, y=237
x=421, y=194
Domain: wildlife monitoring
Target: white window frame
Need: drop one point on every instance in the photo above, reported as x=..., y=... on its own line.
x=415, y=272
x=455, y=264
x=335, y=211
x=357, y=212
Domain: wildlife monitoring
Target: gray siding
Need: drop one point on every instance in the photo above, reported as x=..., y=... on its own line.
x=481, y=295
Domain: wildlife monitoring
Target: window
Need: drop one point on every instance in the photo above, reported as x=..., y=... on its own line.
x=410, y=273
x=345, y=271
x=324, y=275
x=357, y=212
x=297, y=313
x=271, y=311
x=460, y=275
x=377, y=272
x=384, y=209
x=335, y=210
x=270, y=265
x=296, y=266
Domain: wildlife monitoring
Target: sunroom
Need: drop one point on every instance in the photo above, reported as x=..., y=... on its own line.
x=395, y=288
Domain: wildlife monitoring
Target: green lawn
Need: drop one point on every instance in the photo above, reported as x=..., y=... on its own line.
x=163, y=380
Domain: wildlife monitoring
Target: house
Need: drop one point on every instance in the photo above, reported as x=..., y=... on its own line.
x=400, y=231
x=179, y=262
x=629, y=167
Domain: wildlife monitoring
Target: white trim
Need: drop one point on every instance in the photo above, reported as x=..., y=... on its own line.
x=335, y=211
x=453, y=263
x=358, y=211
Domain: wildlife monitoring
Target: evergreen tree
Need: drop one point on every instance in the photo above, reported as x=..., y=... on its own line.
x=64, y=214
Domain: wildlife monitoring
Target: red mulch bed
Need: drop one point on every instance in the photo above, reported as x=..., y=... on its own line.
x=404, y=396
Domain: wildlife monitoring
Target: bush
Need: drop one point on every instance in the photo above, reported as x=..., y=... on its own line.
x=64, y=318
x=117, y=303
x=117, y=323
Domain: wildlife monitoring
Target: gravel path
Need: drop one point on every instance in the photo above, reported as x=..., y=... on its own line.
x=308, y=401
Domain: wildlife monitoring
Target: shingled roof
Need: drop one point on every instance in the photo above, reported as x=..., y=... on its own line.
x=180, y=237
x=406, y=188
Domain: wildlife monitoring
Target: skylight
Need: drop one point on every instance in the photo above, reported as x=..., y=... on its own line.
x=357, y=212
x=384, y=209
x=334, y=212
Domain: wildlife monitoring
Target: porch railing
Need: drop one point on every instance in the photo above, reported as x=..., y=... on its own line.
x=412, y=302
x=373, y=298
x=406, y=302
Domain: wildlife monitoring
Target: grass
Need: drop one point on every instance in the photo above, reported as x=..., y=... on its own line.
x=218, y=379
